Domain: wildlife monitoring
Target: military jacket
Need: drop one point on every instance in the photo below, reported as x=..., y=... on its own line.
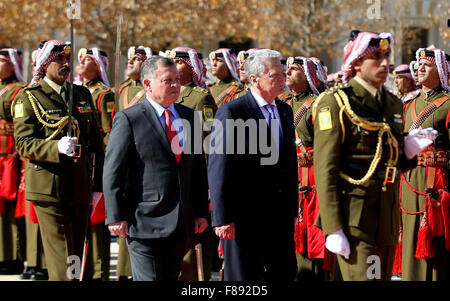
x=50, y=176
x=364, y=211
x=131, y=92
x=6, y=94
x=103, y=98
x=232, y=92
x=219, y=87
x=8, y=90
x=198, y=99
x=304, y=128
x=417, y=177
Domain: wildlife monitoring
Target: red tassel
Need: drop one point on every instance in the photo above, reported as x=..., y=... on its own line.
x=425, y=248
x=397, y=268
x=435, y=221
x=300, y=231
x=21, y=208
x=300, y=237
x=445, y=207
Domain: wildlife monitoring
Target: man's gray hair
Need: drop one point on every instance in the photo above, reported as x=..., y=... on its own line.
x=256, y=62
x=151, y=65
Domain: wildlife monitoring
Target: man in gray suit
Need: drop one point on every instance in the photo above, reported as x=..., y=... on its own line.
x=155, y=185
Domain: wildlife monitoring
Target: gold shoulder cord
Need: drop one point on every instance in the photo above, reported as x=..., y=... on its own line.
x=382, y=128
x=61, y=121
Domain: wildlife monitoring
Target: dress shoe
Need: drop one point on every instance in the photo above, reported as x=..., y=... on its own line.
x=28, y=273
x=40, y=275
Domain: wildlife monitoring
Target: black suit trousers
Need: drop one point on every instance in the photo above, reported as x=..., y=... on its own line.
x=158, y=259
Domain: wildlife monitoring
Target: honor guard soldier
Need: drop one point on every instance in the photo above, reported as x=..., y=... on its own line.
x=358, y=130
x=131, y=91
x=93, y=67
x=286, y=92
x=404, y=81
x=194, y=95
x=224, y=68
x=36, y=268
x=232, y=92
x=321, y=72
x=425, y=213
x=12, y=253
x=58, y=175
x=313, y=260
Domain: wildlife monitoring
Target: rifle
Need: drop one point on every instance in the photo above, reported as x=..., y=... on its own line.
x=77, y=147
x=117, y=61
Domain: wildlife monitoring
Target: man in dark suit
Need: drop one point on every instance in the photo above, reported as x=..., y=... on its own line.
x=155, y=185
x=253, y=188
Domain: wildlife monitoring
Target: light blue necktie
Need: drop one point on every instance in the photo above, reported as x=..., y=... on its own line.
x=270, y=109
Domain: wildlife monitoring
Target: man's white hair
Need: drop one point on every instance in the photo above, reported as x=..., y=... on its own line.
x=256, y=62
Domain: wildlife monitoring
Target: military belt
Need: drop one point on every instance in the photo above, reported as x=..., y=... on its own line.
x=6, y=128
x=360, y=168
x=438, y=158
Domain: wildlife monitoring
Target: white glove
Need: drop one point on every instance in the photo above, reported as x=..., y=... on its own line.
x=337, y=243
x=418, y=140
x=66, y=145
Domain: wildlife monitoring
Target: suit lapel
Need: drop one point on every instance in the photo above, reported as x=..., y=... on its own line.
x=155, y=124
x=251, y=107
x=284, y=118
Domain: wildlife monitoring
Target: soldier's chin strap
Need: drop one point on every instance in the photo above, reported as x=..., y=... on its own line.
x=382, y=128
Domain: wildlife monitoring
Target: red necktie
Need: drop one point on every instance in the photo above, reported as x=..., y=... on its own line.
x=172, y=136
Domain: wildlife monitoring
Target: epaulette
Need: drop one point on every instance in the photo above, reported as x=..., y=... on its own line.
x=31, y=87
x=200, y=90
x=237, y=84
x=336, y=88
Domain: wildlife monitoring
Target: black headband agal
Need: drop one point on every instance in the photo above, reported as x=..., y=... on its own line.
x=183, y=54
x=430, y=53
x=6, y=52
x=293, y=60
x=89, y=51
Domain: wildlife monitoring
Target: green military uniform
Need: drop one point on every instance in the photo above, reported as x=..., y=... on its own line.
x=11, y=237
x=412, y=268
x=59, y=186
x=103, y=98
x=220, y=86
x=130, y=92
x=198, y=99
x=367, y=213
x=231, y=93
x=242, y=92
x=285, y=95
x=35, y=250
x=307, y=268
x=98, y=256
x=305, y=128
